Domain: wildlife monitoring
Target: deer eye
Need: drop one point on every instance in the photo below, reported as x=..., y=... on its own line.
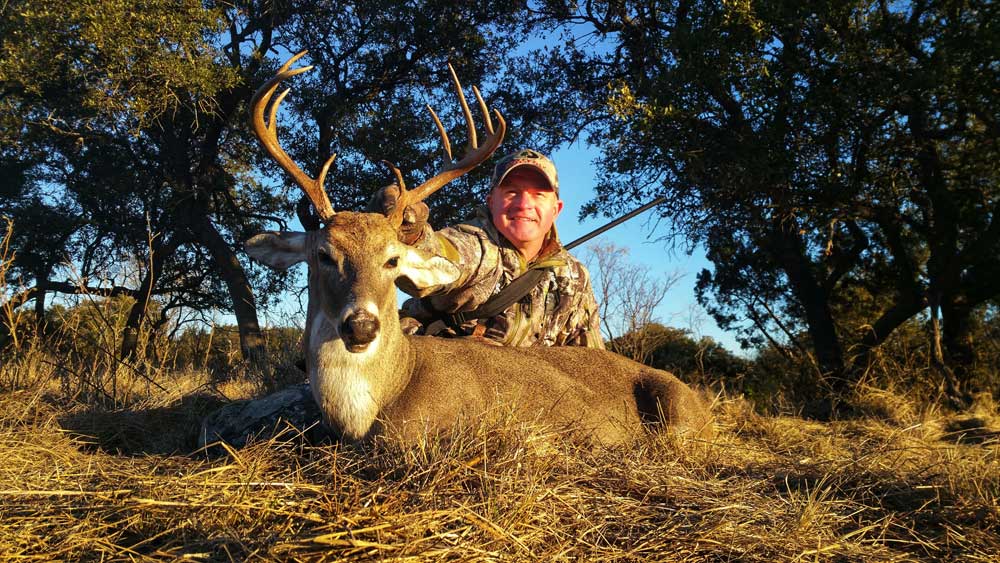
x=392, y=263
x=326, y=260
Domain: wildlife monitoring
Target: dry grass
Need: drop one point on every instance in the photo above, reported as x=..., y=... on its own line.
x=915, y=487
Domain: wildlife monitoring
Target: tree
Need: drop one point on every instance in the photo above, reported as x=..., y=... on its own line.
x=815, y=150
x=129, y=128
x=81, y=86
x=627, y=296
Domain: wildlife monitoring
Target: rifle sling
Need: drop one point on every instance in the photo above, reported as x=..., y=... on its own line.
x=502, y=300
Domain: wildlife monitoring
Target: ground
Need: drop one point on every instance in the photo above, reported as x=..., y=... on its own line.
x=896, y=483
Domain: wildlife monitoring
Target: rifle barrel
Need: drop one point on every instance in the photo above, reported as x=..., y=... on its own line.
x=614, y=223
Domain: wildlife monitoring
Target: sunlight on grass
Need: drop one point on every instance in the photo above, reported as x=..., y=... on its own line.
x=85, y=482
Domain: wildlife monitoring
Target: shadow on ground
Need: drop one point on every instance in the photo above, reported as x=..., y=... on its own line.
x=199, y=422
x=971, y=430
x=162, y=430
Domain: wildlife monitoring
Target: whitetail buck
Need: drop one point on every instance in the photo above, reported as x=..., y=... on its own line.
x=366, y=375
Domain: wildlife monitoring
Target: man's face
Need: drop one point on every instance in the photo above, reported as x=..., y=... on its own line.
x=523, y=207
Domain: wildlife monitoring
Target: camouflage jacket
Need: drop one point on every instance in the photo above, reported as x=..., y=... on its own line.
x=559, y=311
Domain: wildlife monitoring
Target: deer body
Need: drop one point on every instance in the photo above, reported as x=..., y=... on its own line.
x=366, y=375
x=593, y=393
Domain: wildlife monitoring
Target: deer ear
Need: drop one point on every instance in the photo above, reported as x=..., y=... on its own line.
x=277, y=250
x=424, y=270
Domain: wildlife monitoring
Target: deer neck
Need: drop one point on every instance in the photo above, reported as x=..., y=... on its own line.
x=351, y=388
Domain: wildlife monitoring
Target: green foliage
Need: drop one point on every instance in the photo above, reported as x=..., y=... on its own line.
x=217, y=350
x=785, y=379
x=378, y=65
x=88, y=91
x=119, y=61
x=79, y=347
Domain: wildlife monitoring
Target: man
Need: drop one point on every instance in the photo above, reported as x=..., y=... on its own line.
x=512, y=235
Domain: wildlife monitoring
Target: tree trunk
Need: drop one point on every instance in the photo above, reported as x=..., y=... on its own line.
x=244, y=304
x=937, y=353
x=130, y=338
x=41, y=281
x=814, y=301
x=959, y=345
x=40, y=310
x=950, y=386
x=945, y=262
x=904, y=308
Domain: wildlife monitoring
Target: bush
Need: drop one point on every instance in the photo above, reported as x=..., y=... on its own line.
x=703, y=361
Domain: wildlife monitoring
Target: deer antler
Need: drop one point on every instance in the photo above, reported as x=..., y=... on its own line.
x=474, y=155
x=267, y=132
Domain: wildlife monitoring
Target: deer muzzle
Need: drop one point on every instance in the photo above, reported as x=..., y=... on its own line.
x=358, y=330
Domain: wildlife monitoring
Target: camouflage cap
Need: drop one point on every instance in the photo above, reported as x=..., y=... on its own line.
x=526, y=157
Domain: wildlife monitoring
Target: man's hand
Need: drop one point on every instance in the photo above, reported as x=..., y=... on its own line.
x=414, y=217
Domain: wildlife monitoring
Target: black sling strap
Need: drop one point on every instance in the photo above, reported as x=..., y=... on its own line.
x=503, y=299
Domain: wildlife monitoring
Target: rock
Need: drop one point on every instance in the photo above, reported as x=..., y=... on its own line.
x=238, y=423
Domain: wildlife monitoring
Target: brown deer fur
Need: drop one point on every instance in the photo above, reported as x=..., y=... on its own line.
x=366, y=375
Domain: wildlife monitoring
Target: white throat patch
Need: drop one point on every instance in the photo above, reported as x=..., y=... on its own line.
x=338, y=381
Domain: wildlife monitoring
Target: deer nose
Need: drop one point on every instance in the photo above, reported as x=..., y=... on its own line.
x=358, y=330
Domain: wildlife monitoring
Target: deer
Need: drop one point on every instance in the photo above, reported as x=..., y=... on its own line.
x=369, y=378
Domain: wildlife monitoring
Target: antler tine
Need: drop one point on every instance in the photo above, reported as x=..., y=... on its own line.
x=465, y=108
x=482, y=109
x=445, y=143
x=267, y=133
x=474, y=156
x=397, y=174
